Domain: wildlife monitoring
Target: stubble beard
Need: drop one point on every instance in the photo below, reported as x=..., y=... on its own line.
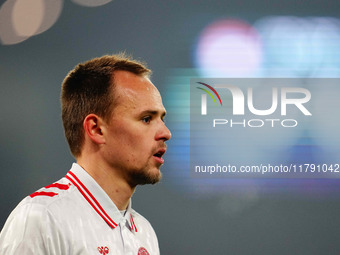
x=146, y=176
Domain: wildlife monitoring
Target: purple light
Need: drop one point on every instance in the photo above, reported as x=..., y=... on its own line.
x=228, y=47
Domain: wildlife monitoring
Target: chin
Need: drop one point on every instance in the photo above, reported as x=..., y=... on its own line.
x=148, y=177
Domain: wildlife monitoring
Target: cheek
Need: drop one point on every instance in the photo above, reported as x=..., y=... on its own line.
x=127, y=138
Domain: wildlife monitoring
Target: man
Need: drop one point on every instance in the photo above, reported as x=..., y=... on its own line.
x=113, y=118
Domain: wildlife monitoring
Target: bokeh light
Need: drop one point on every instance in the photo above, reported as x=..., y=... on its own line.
x=91, y=3
x=21, y=19
x=27, y=16
x=300, y=47
x=228, y=48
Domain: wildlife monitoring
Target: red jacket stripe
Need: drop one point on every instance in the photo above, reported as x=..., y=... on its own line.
x=132, y=222
x=59, y=186
x=43, y=193
x=90, y=202
x=76, y=182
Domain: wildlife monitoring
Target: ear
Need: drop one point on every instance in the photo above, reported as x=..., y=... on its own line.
x=93, y=128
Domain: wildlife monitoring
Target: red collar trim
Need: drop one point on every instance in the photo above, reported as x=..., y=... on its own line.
x=90, y=198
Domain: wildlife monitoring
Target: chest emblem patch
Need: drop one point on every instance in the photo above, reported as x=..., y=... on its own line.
x=143, y=251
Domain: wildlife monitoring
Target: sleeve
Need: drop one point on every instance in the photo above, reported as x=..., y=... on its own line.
x=155, y=241
x=157, y=251
x=31, y=230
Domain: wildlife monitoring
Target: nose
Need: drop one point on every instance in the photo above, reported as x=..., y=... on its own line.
x=163, y=132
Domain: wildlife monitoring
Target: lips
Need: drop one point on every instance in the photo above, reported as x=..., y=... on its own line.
x=158, y=155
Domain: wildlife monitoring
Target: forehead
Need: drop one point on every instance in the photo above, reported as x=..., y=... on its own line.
x=137, y=92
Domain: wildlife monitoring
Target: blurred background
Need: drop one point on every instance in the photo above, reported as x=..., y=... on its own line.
x=41, y=40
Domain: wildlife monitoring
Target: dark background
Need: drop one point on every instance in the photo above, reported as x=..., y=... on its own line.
x=188, y=218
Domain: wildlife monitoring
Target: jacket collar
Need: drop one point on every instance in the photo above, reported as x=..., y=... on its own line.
x=98, y=199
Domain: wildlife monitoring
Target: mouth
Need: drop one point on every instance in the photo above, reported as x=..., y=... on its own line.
x=158, y=156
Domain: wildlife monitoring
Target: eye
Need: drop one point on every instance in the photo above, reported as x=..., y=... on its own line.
x=146, y=119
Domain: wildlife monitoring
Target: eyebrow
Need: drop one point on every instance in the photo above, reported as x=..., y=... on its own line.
x=154, y=112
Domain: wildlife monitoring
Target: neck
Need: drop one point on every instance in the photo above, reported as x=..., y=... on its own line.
x=110, y=181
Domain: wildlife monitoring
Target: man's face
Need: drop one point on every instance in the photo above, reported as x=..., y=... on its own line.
x=136, y=133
